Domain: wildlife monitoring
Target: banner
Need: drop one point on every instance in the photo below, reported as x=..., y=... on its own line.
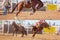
x=51, y=7
x=51, y=30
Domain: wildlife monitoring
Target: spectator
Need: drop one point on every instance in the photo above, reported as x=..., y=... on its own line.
x=5, y=4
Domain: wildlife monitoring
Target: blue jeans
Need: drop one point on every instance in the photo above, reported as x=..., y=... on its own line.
x=5, y=10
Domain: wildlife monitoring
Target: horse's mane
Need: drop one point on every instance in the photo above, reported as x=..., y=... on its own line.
x=45, y=24
x=14, y=24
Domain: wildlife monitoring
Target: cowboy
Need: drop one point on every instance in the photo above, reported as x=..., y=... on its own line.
x=40, y=22
x=37, y=24
x=5, y=5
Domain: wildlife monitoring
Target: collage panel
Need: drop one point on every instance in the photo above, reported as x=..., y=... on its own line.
x=30, y=29
x=27, y=9
x=29, y=20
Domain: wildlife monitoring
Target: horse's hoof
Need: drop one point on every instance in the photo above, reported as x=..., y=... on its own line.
x=57, y=33
x=21, y=36
x=33, y=36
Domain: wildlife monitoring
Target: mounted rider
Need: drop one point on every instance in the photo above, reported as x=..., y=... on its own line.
x=39, y=23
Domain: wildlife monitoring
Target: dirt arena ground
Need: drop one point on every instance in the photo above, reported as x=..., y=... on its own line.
x=29, y=37
x=54, y=15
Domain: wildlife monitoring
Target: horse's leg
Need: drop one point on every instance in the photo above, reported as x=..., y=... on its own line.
x=13, y=32
x=25, y=32
x=16, y=33
x=34, y=32
x=22, y=34
x=33, y=11
x=20, y=7
x=33, y=8
x=14, y=8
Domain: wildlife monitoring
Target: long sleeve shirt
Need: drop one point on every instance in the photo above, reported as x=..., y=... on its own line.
x=4, y=3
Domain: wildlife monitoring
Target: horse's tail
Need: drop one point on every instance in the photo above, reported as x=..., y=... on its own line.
x=14, y=8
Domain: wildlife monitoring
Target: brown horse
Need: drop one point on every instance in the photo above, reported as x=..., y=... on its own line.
x=17, y=28
x=36, y=29
x=33, y=4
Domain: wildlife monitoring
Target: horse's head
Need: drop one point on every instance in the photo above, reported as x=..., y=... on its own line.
x=14, y=24
x=45, y=25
